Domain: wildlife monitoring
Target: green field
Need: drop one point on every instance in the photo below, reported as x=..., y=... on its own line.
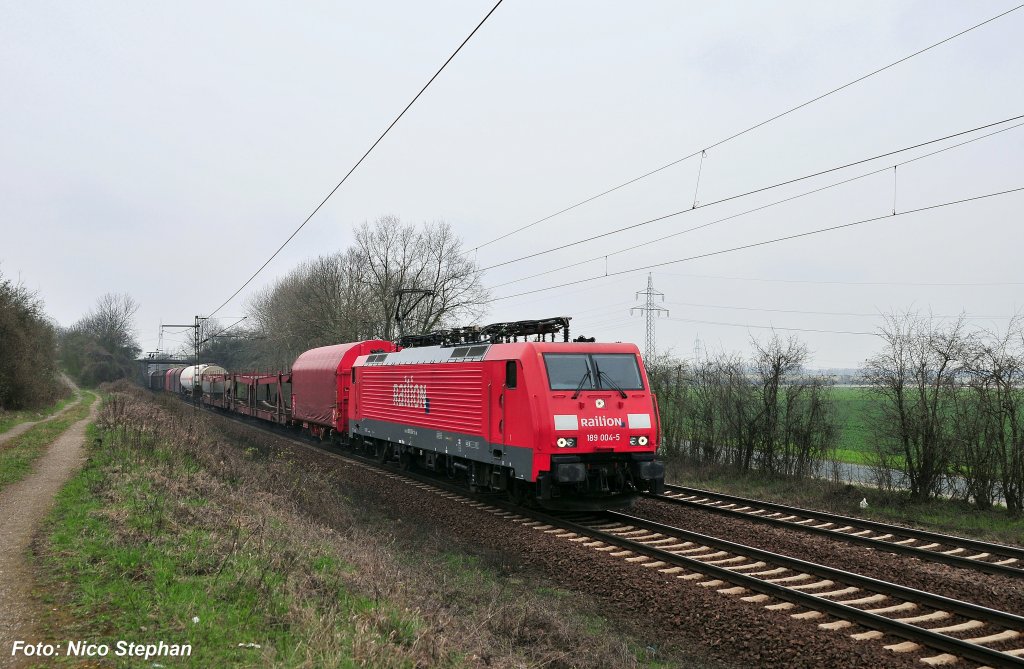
x=853, y=407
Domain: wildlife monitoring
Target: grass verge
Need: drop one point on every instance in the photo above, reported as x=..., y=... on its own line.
x=173, y=531
x=949, y=517
x=9, y=419
x=18, y=455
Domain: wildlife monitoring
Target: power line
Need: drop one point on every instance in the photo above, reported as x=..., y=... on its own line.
x=222, y=330
x=764, y=242
x=773, y=327
x=616, y=322
x=745, y=131
x=982, y=284
x=359, y=162
x=771, y=187
x=756, y=209
x=819, y=313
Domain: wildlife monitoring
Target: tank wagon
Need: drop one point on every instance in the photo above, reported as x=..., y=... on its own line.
x=192, y=380
x=561, y=424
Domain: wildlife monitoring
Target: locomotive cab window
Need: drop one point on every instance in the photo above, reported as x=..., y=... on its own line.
x=617, y=371
x=593, y=371
x=566, y=371
x=510, y=374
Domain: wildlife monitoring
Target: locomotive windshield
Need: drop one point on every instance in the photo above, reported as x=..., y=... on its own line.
x=593, y=371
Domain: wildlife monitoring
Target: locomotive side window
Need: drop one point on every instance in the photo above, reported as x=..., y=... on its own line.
x=510, y=374
x=566, y=371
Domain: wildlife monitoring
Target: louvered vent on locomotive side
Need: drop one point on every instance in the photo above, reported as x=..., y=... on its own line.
x=468, y=353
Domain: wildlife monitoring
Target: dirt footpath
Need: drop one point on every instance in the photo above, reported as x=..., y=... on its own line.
x=21, y=428
x=23, y=505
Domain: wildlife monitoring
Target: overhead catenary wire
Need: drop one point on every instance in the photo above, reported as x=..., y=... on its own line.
x=223, y=330
x=818, y=313
x=736, y=135
x=771, y=187
x=766, y=242
x=774, y=327
x=361, y=159
x=940, y=284
x=755, y=209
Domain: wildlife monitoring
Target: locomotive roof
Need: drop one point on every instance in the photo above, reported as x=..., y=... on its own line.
x=475, y=352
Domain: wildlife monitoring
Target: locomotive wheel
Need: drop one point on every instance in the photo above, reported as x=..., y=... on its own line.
x=405, y=460
x=383, y=453
x=517, y=492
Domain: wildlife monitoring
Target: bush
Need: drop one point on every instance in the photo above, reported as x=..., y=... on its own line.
x=28, y=342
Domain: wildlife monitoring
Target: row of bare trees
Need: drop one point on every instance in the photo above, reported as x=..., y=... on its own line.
x=945, y=410
x=28, y=345
x=351, y=295
x=950, y=409
x=760, y=413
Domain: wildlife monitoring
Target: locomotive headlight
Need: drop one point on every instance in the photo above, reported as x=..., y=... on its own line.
x=571, y=442
x=562, y=442
x=642, y=441
x=632, y=441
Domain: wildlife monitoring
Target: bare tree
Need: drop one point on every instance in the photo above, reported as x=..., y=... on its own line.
x=102, y=345
x=776, y=362
x=762, y=414
x=914, y=379
x=395, y=256
x=667, y=379
x=990, y=419
x=350, y=295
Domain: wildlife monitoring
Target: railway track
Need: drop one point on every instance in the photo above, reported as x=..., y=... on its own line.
x=941, y=630
x=932, y=546
x=930, y=625
x=807, y=590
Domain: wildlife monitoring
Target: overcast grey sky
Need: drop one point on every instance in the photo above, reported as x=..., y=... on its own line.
x=167, y=149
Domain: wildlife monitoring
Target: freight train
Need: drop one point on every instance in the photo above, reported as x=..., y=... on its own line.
x=557, y=424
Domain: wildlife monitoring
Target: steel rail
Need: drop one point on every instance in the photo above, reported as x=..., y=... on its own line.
x=877, y=585
x=922, y=636
x=1002, y=551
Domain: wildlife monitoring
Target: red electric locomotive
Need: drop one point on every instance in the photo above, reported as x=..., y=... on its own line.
x=562, y=424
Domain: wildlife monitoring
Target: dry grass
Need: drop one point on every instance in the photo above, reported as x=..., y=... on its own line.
x=175, y=517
